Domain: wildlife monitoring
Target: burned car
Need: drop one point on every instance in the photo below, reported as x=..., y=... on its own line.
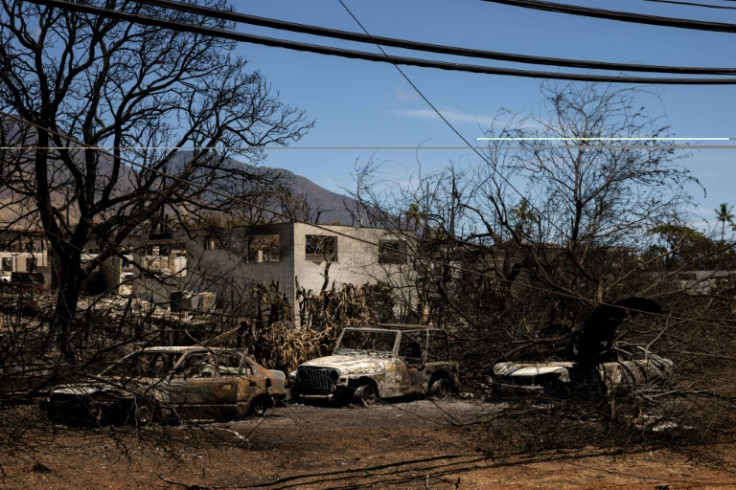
x=383, y=362
x=609, y=378
x=598, y=365
x=169, y=384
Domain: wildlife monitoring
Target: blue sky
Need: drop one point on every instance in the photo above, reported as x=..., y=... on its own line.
x=369, y=104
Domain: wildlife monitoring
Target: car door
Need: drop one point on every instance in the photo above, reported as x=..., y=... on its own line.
x=412, y=349
x=190, y=384
x=227, y=378
x=252, y=383
x=205, y=385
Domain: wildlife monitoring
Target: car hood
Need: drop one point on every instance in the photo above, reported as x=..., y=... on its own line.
x=615, y=375
x=278, y=382
x=112, y=385
x=83, y=389
x=534, y=369
x=350, y=365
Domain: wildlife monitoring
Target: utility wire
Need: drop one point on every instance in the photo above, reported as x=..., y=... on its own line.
x=399, y=60
x=483, y=157
x=468, y=144
x=699, y=25
x=433, y=48
x=256, y=206
x=434, y=108
x=692, y=4
x=562, y=146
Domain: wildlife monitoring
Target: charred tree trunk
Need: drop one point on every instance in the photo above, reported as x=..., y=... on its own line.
x=70, y=277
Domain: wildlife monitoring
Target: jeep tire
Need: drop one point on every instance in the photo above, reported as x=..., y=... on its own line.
x=365, y=395
x=440, y=388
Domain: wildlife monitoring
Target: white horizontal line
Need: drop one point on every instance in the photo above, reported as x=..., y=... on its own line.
x=393, y=148
x=623, y=138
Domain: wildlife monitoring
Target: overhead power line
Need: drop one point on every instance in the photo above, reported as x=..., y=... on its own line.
x=346, y=53
x=692, y=4
x=433, y=48
x=439, y=113
x=655, y=20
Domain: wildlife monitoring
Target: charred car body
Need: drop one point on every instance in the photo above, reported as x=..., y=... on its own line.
x=383, y=362
x=565, y=378
x=169, y=383
x=599, y=367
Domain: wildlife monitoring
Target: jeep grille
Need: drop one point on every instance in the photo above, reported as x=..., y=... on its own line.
x=317, y=380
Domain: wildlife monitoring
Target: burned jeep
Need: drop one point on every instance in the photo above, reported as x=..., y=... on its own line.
x=384, y=362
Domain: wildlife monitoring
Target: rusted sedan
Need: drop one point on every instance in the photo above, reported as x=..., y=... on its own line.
x=169, y=384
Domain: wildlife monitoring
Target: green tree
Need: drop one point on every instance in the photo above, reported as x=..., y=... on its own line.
x=414, y=216
x=683, y=246
x=524, y=216
x=724, y=215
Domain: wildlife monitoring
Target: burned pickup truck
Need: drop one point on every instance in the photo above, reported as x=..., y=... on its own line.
x=169, y=384
x=383, y=362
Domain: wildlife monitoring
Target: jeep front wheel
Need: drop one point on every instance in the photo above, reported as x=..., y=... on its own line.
x=440, y=388
x=365, y=395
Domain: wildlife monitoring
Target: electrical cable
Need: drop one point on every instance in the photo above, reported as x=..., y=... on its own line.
x=692, y=4
x=446, y=264
x=562, y=146
x=574, y=296
x=567, y=294
x=448, y=123
x=434, y=108
x=434, y=48
x=158, y=21
x=451, y=126
x=400, y=60
x=654, y=20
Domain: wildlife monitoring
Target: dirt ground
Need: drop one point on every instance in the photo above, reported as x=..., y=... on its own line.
x=417, y=444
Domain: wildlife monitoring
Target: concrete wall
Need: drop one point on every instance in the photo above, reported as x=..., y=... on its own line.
x=232, y=269
x=232, y=262
x=357, y=257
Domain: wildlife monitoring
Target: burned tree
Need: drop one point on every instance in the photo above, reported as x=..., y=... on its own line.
x=590, y=195
x=124, y=122
x=558, y=210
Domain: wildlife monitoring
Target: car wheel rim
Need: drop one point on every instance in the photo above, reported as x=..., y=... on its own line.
x=259, y=409
x=366, y=395
x=440, y=388
x=144, y=414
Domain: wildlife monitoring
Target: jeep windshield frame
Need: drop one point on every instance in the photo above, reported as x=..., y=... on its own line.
x=367, y=342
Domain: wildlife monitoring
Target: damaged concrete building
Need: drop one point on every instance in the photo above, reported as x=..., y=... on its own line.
x=206, y=269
